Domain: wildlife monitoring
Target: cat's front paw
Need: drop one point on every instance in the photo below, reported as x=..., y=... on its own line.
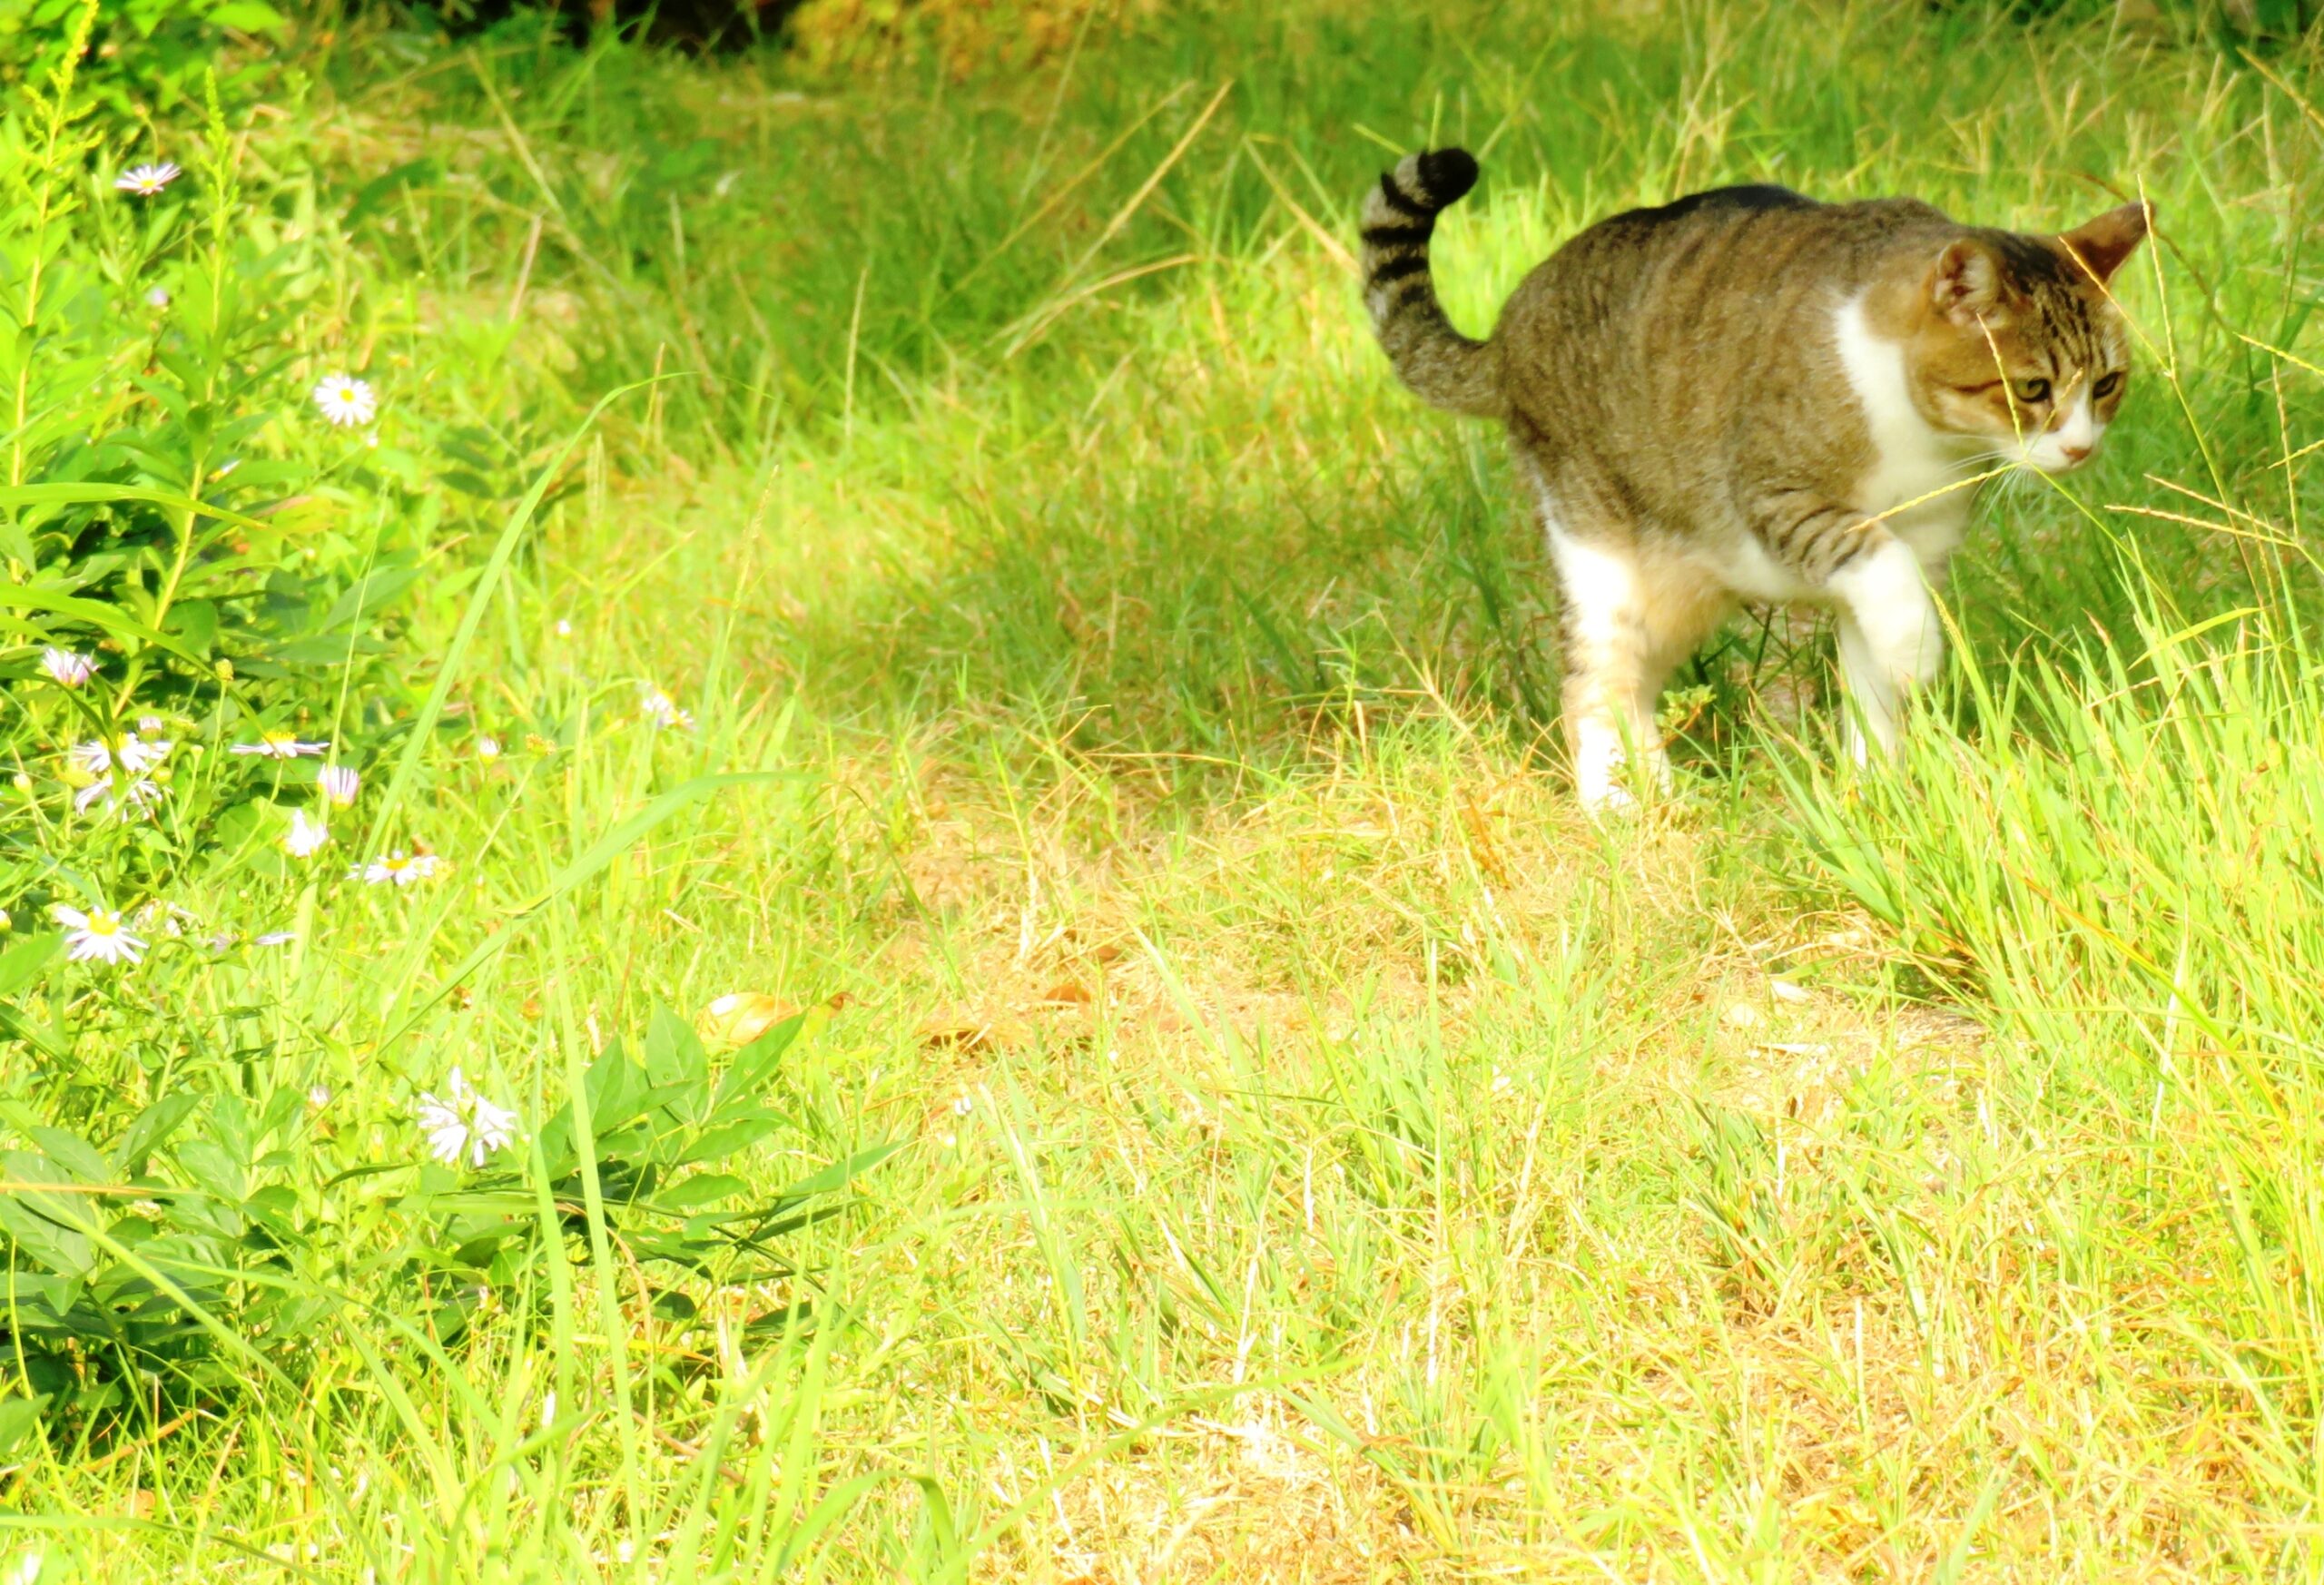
x=1618, y=802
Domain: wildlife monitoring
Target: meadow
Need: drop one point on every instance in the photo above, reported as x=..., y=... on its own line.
x=955, y=947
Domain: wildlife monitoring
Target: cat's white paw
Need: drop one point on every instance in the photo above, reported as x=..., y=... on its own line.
x=1614, y=799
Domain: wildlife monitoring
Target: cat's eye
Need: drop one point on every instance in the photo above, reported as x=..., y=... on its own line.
x=2107, y=384
x=2032, y=392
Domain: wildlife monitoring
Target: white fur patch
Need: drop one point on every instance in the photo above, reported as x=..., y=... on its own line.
x=1599, y=583
x=1891, y=640
x=1752, y=573
x=1603, y=607
x=1913, y=462
x=2072, y=442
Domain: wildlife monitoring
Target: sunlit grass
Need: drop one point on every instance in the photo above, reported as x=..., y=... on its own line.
x=1328, y=1155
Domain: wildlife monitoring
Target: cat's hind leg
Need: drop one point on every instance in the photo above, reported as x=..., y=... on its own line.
x=1613, y=672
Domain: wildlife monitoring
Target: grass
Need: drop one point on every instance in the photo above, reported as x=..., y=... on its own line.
x=1329, y=1157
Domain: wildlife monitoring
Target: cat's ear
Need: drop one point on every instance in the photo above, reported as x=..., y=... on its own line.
x=1966, y=285
x=2104, y=244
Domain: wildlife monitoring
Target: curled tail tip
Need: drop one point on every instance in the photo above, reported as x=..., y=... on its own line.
x=1429, y=182
x=1446, y=174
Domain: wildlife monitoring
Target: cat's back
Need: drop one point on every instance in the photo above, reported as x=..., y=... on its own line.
x=1757, y=242
x=1657, y=326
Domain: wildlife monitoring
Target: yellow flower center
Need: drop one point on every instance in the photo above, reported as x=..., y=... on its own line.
x=102, y=923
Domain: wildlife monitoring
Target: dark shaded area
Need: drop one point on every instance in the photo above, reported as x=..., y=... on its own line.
x=694, y=25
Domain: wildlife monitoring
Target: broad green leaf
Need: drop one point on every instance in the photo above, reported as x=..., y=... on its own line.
x=839, y=1174
x=19, y=1420
x=47, y=1225
x=96, y=614
x=74, y=1154
x=674, y=1053
x=21, y=964
x=716, y=1143
x=701, y=1189
x=211, y=1167
x=152, y=1129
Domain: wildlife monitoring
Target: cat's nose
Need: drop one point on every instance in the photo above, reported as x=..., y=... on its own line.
x=2073, y=453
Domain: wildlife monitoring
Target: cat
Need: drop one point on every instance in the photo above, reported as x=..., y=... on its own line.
x=1747, y=395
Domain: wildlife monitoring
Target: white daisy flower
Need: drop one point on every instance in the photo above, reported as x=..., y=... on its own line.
x=463, y=1122
x=93, y=756
x=660, y=709
x=279, y=745
x=487, y=748
x=145, y=180
x=318, y=1097
x=275, y=939
x=306, y=837
x=158, y=297
x=141, y=797
x=97, y=935
x=399, y=868
x=339, y=783
x=138, y=754
x=67, y=668
x=346, y=401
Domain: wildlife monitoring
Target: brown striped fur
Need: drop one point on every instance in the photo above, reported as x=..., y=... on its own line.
x=1747, y=394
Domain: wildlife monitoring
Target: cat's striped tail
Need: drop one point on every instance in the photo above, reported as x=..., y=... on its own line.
x=1440, y=364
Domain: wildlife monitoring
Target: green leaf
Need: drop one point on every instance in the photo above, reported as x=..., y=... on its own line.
x=693, y=1193
x=674, y=1053
x=211, y=1169
x=152, y=1129
x=716, y=1143
x=102, y=494
x=248, y=16
x=95, y=612
x=197, y=621
x=754, y=1063
x=74, y=1154
x=616, y=1089
x=21, y=964
x=19, y=1420
x=368, y=595
x=839, y=1174
x=46, y=1226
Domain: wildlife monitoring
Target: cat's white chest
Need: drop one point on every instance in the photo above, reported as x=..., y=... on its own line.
x=1916, y=473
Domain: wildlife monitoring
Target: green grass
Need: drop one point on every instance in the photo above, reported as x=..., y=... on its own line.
x=1329, y=1157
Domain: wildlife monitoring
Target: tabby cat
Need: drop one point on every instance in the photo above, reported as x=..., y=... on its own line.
x=1747, y=395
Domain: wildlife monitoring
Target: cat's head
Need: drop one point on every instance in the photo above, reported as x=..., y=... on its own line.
x=2019, y=344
